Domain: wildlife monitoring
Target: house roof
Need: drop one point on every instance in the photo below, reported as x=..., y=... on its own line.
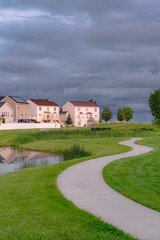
x=63, y=112
x=83, y=104
x=1, y=97
x=18, y=99
x=1, y=104
x=43, y=102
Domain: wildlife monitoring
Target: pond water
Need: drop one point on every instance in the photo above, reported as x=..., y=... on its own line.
x=12, y=160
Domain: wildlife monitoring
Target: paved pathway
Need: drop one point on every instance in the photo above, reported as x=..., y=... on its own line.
x=83, y=184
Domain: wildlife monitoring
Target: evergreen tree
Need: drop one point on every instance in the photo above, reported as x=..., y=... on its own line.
x=69, y=120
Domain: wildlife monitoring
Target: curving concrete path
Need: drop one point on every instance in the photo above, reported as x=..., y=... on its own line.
x=83, y=184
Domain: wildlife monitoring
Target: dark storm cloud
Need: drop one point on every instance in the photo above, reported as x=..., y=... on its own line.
x=106, y=50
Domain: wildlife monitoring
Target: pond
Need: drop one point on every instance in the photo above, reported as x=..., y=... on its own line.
x=12, y=160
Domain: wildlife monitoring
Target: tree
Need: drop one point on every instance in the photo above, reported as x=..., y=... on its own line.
x=128, y=113
x=154, y=103
x=120, y=115
x=106, y=114
x=100, y=120
x=91, y=100
x=69, y=120
x=45, y=99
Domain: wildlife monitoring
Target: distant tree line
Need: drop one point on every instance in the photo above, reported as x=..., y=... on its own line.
x=123, y=114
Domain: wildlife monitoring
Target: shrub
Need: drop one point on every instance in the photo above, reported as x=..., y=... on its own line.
x=75, y=151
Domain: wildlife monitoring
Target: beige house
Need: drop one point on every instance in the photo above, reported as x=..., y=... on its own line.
x=63, y=115
x=8, y=155
x=82, y=113
x=43, y=111
x=19, y=106
x=6, y=113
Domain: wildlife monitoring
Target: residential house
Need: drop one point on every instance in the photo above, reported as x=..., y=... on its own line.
x=19, y=106
x=63, y=115
x=43, y=111
x=6, y=113
x=82, y=113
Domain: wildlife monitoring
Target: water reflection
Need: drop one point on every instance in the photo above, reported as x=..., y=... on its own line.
x=13, y=160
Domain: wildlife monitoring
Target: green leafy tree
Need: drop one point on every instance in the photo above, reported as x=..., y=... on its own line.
x=91, y=100
x=69, y=120
x=128, y=113
x=106, y=114
x=45, y=99
x=154, y=103
x=120, y=115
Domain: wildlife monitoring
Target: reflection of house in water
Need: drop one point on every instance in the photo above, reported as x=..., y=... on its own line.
x=8, y=155
x=12, y=159
x=37, y=155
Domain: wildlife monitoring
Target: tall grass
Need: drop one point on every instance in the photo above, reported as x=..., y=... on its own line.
x=77, y=134
x=74, y=152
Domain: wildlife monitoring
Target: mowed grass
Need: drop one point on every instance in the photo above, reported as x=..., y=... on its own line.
x=33, y=208
x=31, y=205
x=138, y=178
x=97, y=147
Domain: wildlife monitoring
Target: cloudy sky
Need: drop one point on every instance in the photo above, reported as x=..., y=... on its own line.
x=108, y=50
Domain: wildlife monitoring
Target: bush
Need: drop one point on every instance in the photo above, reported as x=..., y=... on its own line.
x=75, y=151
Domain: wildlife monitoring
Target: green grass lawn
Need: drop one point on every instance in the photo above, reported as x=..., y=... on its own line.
x=138, y=178
x=97, y=147
x=33, y=208
x=31, y=205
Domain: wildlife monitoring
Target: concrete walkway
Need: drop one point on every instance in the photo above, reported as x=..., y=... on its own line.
x=83, y=184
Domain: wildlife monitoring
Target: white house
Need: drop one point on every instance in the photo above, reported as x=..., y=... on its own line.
x=43, y=111
x=82, y=113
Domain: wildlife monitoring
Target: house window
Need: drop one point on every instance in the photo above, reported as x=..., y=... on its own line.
x=79, y=123
x=79, y=109
x=95, y=109
x=40, y=115
x=55, y=109
x=40, y=108
x=86, y=109
x=47, y=108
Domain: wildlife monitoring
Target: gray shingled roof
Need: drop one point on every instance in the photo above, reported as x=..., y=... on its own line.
x=18, y=99
x=1, y=104
x=1, y=97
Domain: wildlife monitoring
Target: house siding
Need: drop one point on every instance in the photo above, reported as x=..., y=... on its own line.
x=38, y=115
x=6, y=112
x=21, y=111
x=81, y=114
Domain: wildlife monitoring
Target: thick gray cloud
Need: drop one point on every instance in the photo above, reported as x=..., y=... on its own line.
x=73, y=50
